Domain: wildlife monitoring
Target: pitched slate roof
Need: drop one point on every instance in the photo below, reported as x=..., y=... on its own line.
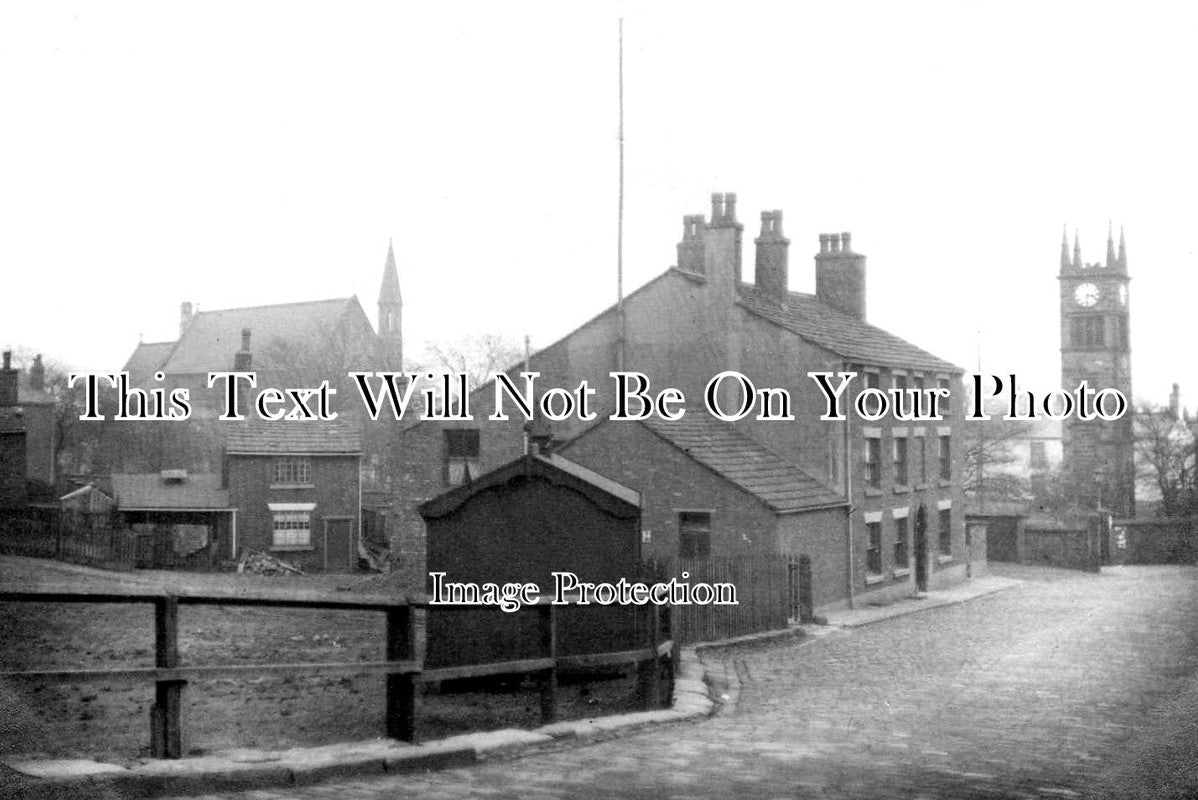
x=843, y=334
x=293, y=437
x=722, y=448
x=213, y=337
x=602, y=481
x=147, y=358
x=151, y=491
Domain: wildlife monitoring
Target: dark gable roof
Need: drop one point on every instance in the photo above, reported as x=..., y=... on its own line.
x=147, y=358
x=843, y=334
x=150, y=491
x=731, y=454
x=213, y=337
x=612, y=497
x=293, y=437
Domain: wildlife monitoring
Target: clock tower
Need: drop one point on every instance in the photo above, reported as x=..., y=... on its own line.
x=1099, y=455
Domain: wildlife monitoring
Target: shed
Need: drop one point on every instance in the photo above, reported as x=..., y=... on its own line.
x=521, y=522
x=183, y=519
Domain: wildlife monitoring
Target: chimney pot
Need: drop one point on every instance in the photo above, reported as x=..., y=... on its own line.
x=845, y=240
x=8, y=359
x=834, y=240
x=823, y=243
x=717, y=206
x=730, y=206
x=37, y=374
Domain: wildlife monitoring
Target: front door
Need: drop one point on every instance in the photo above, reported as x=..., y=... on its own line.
x=338, y=544
x=921, y=549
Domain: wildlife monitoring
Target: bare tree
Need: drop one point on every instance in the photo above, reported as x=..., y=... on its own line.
x=475, y=356
x=1166, y=457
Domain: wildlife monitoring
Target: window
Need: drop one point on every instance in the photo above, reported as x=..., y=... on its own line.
x=292, y=471
x=900, y=543
x=900, y=460
x=873, y=553
x=871, y=380
x=1039, y=455
x=291, y=526
x=833, y=457
x=919, y=403
x=461, y=455
x=902, y=400
x=923, y=458
x=873, y=462
x=946, y=457
x=944, y=404
x=946, y=531
x=1088, y=332
x=694, y=534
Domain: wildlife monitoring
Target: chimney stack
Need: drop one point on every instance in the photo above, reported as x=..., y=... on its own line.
x=690, y=249
x=243, y=359
x=773, y=271
x=8, y=382
x=840, y=274
x=186, y=314
x=37, y=374
x=1175, y=403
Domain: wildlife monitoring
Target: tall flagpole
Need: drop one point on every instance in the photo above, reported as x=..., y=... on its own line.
x=620, y=223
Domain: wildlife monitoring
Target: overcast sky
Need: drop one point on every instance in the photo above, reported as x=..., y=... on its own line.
x=239, y=154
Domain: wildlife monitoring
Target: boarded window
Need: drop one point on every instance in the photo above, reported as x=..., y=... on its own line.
x=694, y=534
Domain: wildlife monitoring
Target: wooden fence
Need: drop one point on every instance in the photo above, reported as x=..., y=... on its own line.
x=402, y=663
x=76, y=536
x=771, y=590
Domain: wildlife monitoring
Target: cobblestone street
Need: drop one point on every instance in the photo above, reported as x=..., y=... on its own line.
x=1069, y=685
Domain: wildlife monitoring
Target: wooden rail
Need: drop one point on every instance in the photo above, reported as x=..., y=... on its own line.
x=402, y=668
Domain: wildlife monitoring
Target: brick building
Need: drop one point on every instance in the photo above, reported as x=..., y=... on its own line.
x=296, y=489
x=700, y=318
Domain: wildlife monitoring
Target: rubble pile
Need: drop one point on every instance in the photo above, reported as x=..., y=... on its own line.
x=259, y=563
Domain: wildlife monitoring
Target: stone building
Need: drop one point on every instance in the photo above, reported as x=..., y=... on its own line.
x=699, y=318
x=1096, y=347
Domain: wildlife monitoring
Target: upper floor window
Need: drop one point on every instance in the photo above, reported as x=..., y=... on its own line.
x=873, y=462
x=292, y=471
x=946, y=457
x=462, y=455
x=900, y=460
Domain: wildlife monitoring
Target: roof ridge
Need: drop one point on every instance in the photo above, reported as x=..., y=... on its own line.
x=277, y=305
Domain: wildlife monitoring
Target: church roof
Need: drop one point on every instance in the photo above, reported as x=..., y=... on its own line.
x=389, y=291
x=731, y=454
x=211, y=338
x=843, y=334
x=147, y=358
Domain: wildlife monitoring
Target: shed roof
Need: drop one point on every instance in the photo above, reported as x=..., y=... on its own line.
x=616, y=499
x=153, y=492
x=731, y=454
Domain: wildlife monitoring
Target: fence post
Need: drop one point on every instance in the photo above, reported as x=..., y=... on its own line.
x=401, y=687
x=166, y=735
x=648, y=672
x=548, y=624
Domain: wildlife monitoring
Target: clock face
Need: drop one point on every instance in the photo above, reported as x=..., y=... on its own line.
x=1086, y=295
x=1123, y=295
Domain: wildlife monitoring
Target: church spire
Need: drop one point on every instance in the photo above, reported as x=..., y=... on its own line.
x=1077, y=252
x=1064, y=247
x=1122, y=251
x=1110, y=245
x=390, y=322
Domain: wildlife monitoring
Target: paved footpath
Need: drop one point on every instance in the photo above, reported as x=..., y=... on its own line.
x=1070, y=685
